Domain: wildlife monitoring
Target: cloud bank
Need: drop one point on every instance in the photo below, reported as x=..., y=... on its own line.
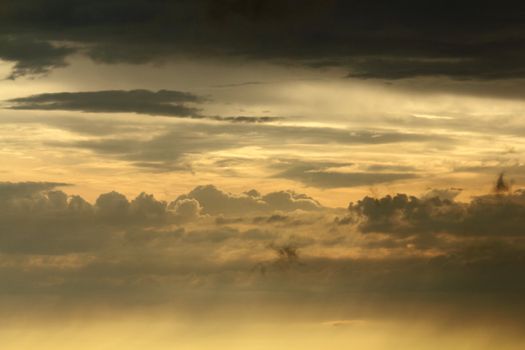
x=373, y=40
x=257, y=247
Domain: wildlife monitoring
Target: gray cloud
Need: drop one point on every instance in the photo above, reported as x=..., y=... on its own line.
x=32, y=56
x=502, y=166
x=323, y=175
x=378, y=40
x=25, y=189
x=186, y=209
x=489, y=215
x=216, y=202
x=160, y=103
x=36, y=218
x=165, y=152
x=501, y=185
x=143, y=252
x=166, y=103
x=168, y=151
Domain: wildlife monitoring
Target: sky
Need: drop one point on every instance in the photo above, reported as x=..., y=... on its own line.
x=232, y=174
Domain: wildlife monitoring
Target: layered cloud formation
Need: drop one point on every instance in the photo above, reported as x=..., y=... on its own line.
x=166, y=103
x=254, y=174
x=254, y=246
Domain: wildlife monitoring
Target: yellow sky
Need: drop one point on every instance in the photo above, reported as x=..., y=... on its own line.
x=478, y=134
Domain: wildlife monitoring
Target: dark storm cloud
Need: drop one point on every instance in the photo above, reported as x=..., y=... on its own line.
x=374, y=39
x=325, y=175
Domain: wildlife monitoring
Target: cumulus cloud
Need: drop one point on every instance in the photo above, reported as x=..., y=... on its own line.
x=215, y=201
x=186, y=209
x=37, y=218
x=25, y=189
x=488, y=215
x=143, y=251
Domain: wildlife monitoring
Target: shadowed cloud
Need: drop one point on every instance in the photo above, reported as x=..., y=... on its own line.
x=380, y=39
x=63, y=246
x=166, y=103
x=325, y=175
x=162, y=102
x=32, y=56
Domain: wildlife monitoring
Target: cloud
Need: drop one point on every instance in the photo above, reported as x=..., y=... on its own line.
x=118, y=252
x=245, y=83
x=216, y=202
x=10, y=190
x=247, y=119
x=442, y=193
x=36, y=218
x=501, y=185
x=186, y=209
x=488, y=215
x=287, y=257
x=502, y=165
x=166, y=103
x=171, y=147
x=160, y=103
x=163, y=152
x=32, y=56
x=380, y=40
x=325, y=175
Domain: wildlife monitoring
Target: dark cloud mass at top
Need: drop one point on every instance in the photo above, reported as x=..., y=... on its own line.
x=373, y=39
x=32, y=56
